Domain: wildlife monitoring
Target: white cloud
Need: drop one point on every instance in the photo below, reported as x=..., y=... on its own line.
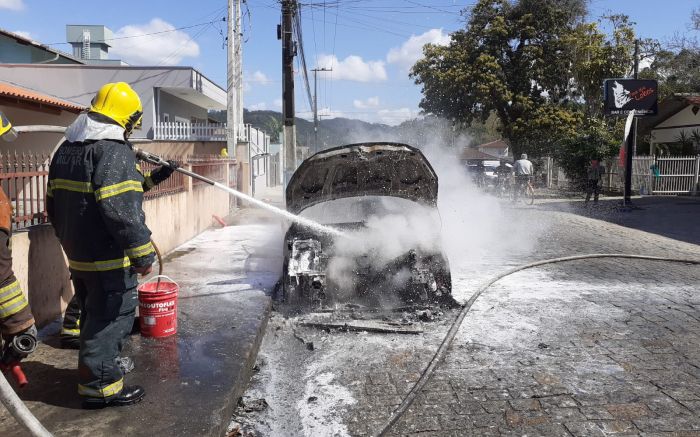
x=163, y=49
x=353, y=68
x=395, y=116
x=412, y=50
x=277, y=103
x=22, y=33
x=258, y=107
x=13, y=5
x=259, y=77
x=371, y=102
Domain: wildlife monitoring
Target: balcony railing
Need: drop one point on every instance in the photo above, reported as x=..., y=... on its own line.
x=189, y=131
x=175, y=131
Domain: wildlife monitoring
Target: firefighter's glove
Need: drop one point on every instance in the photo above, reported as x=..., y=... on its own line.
x=166, y=171
x=163, y=172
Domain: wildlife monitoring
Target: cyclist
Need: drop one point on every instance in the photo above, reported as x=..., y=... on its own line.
x=523, y=172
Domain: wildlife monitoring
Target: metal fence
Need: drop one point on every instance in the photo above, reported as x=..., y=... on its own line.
x=650, y=175
x=209, y=166
x=614, y=178
x=176, y=183
x=677, y=174
x=23, y=177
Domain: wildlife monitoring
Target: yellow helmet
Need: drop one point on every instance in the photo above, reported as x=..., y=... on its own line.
x=118, y=102
x=7, y=133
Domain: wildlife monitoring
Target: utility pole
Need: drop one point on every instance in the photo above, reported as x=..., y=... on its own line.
x=288, y=53
x=232, y=100
x=239, y=65
x=631, y=146
x=316, y=70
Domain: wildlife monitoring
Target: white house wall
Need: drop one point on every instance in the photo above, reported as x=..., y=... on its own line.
x=176, y=107
x=683, y=121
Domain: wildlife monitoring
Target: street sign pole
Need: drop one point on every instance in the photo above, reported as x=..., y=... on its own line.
x=631, y=140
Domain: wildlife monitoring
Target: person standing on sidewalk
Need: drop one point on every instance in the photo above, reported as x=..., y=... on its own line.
x=94, y=201
x=594, y=174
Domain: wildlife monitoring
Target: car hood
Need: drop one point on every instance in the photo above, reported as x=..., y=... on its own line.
x=366, y=169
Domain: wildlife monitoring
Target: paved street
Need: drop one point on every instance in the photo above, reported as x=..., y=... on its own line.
x=584, y=348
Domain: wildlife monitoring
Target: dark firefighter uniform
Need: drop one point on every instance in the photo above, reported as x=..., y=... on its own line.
x=70, y=332
x=15, y=314
x=95, y=205
x=94, y=201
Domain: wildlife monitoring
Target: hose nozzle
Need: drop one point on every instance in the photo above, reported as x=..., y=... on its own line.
x=150, y=157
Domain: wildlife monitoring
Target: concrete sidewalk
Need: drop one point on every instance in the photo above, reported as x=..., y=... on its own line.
x=193, y=380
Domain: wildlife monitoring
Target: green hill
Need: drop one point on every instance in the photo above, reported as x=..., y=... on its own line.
x=339, y=131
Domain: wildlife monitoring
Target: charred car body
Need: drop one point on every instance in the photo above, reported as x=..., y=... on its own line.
x=383, y=196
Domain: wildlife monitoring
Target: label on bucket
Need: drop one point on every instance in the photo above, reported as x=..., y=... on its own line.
x=149, y=320
x=159, y=306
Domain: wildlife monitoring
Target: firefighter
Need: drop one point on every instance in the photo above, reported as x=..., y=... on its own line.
x=94, y=201
x=70, y=331
x=15, y=314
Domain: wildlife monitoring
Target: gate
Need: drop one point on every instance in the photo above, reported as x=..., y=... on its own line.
x=677, y=175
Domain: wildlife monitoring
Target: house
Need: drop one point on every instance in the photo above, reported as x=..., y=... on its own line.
x=17, y=49
x=24, y=106
x=175, y=99
x=472, y=156
x=678, y=121
x=497, y=149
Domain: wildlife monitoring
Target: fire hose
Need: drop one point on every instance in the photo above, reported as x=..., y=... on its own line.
x=20, y=346
x=454, y=328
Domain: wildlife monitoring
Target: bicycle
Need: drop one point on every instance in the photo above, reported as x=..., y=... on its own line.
x=504, y=187
x=523, y=191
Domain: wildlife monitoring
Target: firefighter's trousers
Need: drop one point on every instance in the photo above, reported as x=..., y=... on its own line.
x=107, y=311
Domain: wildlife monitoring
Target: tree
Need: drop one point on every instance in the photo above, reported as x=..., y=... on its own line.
x=535, y=64
x=595, y=140
x=676, y=71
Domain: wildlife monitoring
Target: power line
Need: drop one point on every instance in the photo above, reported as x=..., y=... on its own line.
x=147, y=34
x=297, y=28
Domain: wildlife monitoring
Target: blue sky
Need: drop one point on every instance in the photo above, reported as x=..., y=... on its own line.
x=371, y=44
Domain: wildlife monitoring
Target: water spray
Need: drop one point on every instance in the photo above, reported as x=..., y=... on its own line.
x=157, y=160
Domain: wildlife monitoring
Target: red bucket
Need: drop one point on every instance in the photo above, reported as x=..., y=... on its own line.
x=158, y=307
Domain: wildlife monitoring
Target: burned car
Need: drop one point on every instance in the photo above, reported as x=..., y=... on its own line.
x=383, y=198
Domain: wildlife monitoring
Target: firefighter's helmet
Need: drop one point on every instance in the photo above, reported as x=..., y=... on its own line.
x=118, y=102
x=7, y=133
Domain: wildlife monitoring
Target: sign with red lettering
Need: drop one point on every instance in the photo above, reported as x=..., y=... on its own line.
x=625, y=95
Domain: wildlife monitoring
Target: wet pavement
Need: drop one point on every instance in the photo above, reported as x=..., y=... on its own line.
x=603, y=347
x=194, y=379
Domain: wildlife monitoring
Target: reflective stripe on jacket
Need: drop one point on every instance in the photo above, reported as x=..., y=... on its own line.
x=94, y=201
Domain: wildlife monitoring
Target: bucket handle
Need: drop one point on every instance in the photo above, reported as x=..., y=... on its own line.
x=161, y=276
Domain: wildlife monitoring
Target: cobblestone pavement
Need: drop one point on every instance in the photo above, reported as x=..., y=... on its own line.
x=578, y=349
